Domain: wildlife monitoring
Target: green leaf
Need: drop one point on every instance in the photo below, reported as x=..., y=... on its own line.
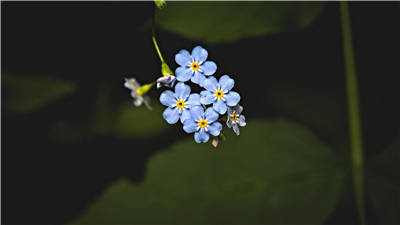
x=384, y=185
x=139, y=121
x=216, y=22
x=274, y=172
x=25, y=94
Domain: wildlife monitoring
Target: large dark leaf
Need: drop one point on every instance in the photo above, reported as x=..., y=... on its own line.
x=216, y=22
x=275, y=172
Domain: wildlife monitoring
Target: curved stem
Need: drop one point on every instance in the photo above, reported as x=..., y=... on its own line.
x=353, y=111
x=158, y=50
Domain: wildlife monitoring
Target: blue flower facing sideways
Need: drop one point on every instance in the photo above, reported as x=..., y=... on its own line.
x=219, y=93
x=202, y=123
x=178, y=103
x=194, y=66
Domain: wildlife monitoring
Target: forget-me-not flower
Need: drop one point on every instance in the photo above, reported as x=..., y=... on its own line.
x=202, y=123
x=138, y=92
x=194, y=66
x=179, y=103
x=235, y=119
x=219, y=93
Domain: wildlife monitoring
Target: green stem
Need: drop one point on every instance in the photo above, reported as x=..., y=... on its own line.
x=158, y=50
x=353, y=111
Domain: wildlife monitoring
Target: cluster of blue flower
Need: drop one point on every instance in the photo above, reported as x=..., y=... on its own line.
x=191, y=108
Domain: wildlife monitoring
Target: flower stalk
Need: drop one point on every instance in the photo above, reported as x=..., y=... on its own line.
x=353, y=112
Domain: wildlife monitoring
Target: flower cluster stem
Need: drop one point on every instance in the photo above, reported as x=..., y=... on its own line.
x=158, y=49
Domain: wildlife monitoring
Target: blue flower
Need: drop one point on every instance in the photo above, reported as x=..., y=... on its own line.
x=219, y=93
x=178, y=103
x=194, y=66
x=235, y=119
x=202, y=123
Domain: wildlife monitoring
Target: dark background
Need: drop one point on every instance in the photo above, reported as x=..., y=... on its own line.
x=97, y=44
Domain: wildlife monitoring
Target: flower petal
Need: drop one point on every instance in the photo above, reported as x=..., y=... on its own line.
x=226, y=83
x=238, y=109
x=201, y=136
x=215, y=128
x=171, y=115
x=209, y=68
x=211, y=115
x=167, y=98
x=138, y=101
x=182, y=91
x=235, y=128
x=230, y=112
x=198, y=78
x=229, y=122
x=131, y=84
x=199, y=54
x=190, y=126
x=194, y=99
x=232, y=98
x=146, y=101
x=183, y=58
x=220, y=106
x=242, y=121
x=166, y=81
x=207, y=97
x=183, y=73
x=197, y=113
x=211, y=84
x=185, y=115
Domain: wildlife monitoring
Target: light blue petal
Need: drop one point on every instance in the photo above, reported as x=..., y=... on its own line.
x=215, y=128
x=183, y=58
x=211, y=115
x=209, y=68
x=190, y=126
x=238, y=109
x=199, y=54
x=207, y=97
x=183, y=73
x=242, y=121
x=171, y=115
x=198, y=78
x=226, y=83
x=232, y=98
x=167, y=98
x=182, y=91
x=197, y=113
x=201, y=136
x=185, y=115
x=194, y=99
x=220, y=106
x=211, y=84
x=235, y=128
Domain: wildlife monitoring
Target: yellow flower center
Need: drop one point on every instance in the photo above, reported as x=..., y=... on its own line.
x=139, y=92
x=194, y=66
x=234, y=117
x=219, y=94
x=203, y=123
x=180, y=104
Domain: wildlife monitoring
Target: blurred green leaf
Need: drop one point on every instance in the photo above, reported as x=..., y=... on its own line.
x=384, y=185
x=216, y=22
x=139, y=121
x=25, y=94
x=274, y=172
